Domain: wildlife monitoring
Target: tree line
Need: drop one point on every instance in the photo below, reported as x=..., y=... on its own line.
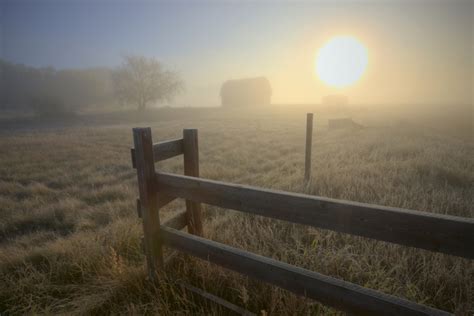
x=138, y=81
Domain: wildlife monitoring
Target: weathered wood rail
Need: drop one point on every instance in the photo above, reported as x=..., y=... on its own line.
x=440, y=233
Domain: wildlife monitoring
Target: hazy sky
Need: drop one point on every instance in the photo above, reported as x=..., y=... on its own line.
x=419, y=51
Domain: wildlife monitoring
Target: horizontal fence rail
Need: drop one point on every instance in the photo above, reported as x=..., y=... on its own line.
x=179, y=221
x=441, y=233
x=231, y=307
x=162, y=200
x=163, y=150
x=327, y=290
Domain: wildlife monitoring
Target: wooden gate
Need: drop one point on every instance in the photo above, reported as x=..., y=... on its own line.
x=435, y=232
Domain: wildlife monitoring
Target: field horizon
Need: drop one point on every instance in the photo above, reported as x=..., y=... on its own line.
x=70, y=236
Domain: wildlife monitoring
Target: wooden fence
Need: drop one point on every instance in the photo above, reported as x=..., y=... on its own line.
x=435, y=232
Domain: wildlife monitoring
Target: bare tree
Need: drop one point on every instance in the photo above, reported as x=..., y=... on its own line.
x=141, y=80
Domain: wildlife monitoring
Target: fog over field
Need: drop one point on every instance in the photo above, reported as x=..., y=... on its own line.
x=390, y=85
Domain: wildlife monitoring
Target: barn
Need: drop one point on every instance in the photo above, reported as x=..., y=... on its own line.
x=246, y=92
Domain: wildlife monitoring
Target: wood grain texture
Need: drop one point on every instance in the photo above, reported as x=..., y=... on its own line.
x=440, y=233
x=191, y=168
x=162, y=150
x=167, y=149
x=147, y=187
x=327, y=290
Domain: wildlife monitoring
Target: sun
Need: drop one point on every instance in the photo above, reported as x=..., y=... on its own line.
x=341, y=61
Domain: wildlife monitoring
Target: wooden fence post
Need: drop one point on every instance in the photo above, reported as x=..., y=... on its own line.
x=148, y=199
x=309, y=143
x=191, y=168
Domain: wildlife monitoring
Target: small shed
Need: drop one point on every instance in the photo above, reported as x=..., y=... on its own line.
x=246, y=92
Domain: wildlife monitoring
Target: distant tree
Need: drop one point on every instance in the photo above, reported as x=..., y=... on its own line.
x=141, y=80
x=24, y=88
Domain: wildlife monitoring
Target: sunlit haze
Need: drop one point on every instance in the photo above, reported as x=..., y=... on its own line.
x=341, y=61
x=419, y=51
x=251, y=157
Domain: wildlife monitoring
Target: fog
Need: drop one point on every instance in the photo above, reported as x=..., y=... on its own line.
x=320, y=149
x=60, y=57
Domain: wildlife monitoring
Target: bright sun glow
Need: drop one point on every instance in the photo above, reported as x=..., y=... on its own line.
x=341, y=61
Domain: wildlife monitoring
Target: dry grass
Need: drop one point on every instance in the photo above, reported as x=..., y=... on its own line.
x=70, y=237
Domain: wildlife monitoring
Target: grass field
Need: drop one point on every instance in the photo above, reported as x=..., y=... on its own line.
x=70, y=237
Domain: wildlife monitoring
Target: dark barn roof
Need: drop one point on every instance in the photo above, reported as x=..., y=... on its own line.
x=246, y=92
